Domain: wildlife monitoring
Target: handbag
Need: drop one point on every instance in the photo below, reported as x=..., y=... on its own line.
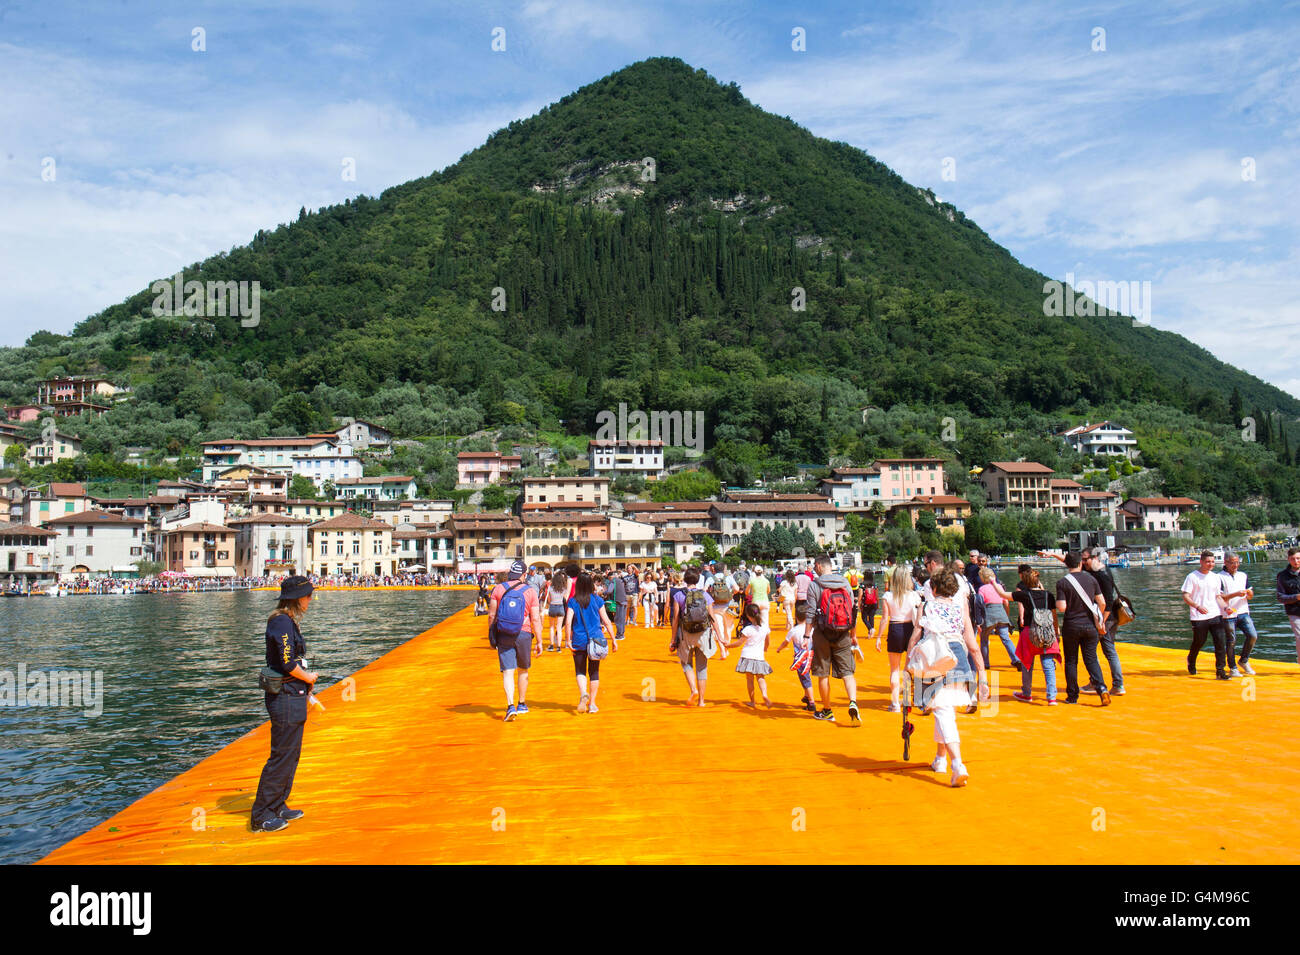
x=931, y=657
x=1124, y=610
x=271, y=681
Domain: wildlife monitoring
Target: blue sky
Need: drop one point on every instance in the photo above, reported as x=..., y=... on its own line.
x=1118, y=165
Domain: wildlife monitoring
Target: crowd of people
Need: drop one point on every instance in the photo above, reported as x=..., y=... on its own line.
x=934, y=619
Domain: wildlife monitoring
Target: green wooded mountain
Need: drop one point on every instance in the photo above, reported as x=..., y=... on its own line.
x=666, y=285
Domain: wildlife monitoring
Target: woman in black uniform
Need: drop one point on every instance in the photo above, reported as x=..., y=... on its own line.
x=288, y=708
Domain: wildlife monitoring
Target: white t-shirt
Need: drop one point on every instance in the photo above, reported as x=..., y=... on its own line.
x=963, y=589
x=1204, y=588
x=1233, y=583
x=754, y=636
x=788, y=590
x=901, y=611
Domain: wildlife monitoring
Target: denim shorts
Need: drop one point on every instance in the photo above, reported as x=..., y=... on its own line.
x=515, y=653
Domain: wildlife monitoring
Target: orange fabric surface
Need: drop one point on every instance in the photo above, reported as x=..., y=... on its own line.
x=420, y=767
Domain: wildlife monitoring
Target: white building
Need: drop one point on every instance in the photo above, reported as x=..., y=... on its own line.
x=59, y=447
x=270, y=545
x=27, y=556
x=1105, y=437
x=98, y=543
x=327, y=467
x=853, y=489
x=390, y=487
x=419, y=513
x=365, y=436
x=271, y=454
x=640, y=458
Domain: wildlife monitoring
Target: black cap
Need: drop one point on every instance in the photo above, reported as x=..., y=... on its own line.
x=291, y=588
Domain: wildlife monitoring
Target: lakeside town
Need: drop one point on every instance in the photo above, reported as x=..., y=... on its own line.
x=243, y=518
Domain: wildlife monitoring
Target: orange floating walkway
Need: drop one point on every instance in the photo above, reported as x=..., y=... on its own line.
x=420, y=767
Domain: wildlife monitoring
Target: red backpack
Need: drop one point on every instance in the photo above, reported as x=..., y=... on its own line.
x=835, y=611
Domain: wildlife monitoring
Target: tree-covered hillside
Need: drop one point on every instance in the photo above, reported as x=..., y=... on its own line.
x=672, y=291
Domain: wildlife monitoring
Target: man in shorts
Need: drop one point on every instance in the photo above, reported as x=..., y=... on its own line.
x=514, y=653
x=832, y=652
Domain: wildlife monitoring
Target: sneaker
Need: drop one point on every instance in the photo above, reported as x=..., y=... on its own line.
x=1250, y=670
x=289, y=815
x=1105, y=698
x=939, y=764
x=824, y=715
x=510, y=713
x=1117, y=691
x=810, y=706
x=1234, y=672
x=1191, y=668
x=1068, y=700
x=593, y=708
x=1023, y=697
x=893, y=708
x=582, y=703
x=271, y=825
x=1052, y=702
x=1087, y=688
x=853, y=711
x=959, y=776
x=522, y=707
x=1221, y=675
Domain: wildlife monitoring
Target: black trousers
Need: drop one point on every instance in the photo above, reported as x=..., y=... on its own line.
x=1223, y=648
x=288, y=719
x=1074, y=639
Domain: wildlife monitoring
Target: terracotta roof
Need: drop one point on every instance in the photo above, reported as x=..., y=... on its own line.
x=880, y=461
x=269, y=442
x=557, y=505
x=580, y=518
x=940, y=499
x=67, y=490
x=1064, y=483
x=26, y=530
x=473, y=525
x=675, y=534
x=200, y=527
x=351, y=521
x=383, y=479
x=1021, y=467
x=675, y=507
x=479, y=454
x=268, y=519
x=268, y=499
x=566, y=480
x=777, y=507
x=1165, y=501
x=414, y=533
x=854, y=471
x=1097, y=494
x=95, y=517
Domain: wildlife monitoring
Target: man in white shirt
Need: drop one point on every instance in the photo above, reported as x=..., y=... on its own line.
x=1203, y=592
x=1238, y=593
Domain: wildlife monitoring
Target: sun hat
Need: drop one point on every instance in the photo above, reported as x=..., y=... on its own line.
x=291, y=588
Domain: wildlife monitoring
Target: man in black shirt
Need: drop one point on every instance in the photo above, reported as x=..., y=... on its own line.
x=1079, y=601
x=1094, y=562
x=1288, y=592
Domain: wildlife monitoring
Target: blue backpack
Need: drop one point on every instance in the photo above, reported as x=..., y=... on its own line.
x=511, y=610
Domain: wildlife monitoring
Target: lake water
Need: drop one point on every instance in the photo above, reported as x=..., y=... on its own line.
x=178, y=671
x=178, y=685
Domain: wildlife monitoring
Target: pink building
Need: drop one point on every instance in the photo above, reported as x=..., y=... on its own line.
x=22, y=412
x=904, y=478
x=485, y=467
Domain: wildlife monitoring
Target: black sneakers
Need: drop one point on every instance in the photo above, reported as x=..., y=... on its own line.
x=289, y=815
x=271, y=825
x=824, y=715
